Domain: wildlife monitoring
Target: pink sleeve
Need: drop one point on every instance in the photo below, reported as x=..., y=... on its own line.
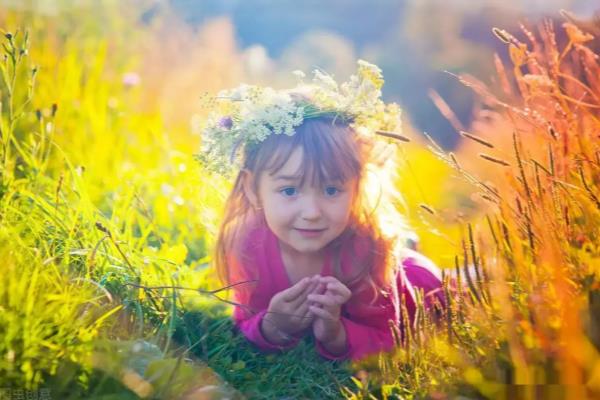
x=367, y=326
x=253, y=300
x=419, y=272
x=366, y=323
x=250, y=327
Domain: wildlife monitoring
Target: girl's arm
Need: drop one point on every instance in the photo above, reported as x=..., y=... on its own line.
x=253, y=300
x=267, y=338
x=366, y=327
x=338, y=346
x=275, y=326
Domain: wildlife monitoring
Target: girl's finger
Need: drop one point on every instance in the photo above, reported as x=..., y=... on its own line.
x=337, y=298
x=296, y=291
x=340, y=289
x=302, y=308
x=323, y=299
x=307, y=303
x=321, y=312
x=310, y=288
x=307, y=315
x=328, y=279
x=332, y=282
x=320, y=288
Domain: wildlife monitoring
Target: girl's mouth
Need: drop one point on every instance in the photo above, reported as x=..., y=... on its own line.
x=310, y=232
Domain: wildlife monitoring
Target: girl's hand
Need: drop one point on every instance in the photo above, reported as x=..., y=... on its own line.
x=326, y=308
x=288, y=311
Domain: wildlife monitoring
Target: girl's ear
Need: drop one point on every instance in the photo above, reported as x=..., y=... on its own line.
x=248, y=187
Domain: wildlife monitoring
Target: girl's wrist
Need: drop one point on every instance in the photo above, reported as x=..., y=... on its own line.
x=338, y=344
x=337, y=331
x=273, y=334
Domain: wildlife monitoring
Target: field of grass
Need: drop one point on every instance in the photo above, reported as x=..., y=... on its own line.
x=106, y=221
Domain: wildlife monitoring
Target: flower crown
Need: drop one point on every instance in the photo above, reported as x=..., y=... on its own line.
x=247, y=115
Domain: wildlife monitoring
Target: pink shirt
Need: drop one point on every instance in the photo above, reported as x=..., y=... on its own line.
x=367, y=325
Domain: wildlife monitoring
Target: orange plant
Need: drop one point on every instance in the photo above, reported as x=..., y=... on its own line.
x=529, y=313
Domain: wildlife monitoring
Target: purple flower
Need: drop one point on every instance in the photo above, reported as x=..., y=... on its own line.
x=131, y=79
x=225, y=122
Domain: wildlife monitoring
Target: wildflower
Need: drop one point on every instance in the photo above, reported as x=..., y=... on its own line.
x=299, y=74
x=518, y=54
x=131, y=79
x=226, y=122
x=575, y=34
x=538, y=81
x=248, y=114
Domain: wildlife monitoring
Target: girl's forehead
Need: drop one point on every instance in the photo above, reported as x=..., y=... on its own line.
x=297, y=167
x=286, y=168
x=293, y=166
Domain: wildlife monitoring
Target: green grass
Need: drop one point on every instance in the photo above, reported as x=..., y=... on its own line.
x=103, y=211
x=297, y=373
x=82, y=251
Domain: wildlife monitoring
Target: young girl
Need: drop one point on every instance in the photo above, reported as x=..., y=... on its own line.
x=303, y=243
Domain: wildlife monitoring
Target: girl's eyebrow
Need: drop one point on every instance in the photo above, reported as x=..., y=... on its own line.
x=293, y=178
x=286, y=178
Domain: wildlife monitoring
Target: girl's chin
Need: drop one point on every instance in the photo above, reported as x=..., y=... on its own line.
x=303, y=246
x=307, y=248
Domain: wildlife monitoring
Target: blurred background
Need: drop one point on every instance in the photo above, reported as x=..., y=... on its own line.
x=101, y=108
x=130, y=78
x=262, y=41
x=414, y=42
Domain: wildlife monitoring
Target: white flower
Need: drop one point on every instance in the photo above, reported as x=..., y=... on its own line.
x=237, y=94
x=325, y=80
x=299, y=74
x=249, y=114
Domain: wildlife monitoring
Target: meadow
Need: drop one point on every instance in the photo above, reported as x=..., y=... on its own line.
x=107, y=221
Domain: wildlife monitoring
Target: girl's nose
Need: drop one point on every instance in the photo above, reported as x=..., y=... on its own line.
x=311, y=209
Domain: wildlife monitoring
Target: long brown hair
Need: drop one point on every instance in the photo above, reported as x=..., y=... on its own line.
x=331, y=150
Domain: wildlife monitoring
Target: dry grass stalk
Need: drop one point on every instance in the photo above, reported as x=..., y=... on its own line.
x=477, y=139
x=494, y=159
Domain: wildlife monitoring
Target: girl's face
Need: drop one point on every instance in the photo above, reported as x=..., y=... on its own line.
x=305, y=218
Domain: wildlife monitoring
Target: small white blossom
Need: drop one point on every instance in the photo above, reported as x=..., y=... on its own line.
x=251, y=113
x=299, y=74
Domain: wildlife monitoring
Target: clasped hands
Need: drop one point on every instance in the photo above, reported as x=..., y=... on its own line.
x=312, y=302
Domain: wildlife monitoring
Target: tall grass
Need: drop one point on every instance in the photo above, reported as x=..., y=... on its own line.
x=523, y=313
x=78, y=245
x=52, y=311
x=105, y=222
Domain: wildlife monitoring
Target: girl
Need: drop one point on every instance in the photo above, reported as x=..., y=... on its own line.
x=302, y=241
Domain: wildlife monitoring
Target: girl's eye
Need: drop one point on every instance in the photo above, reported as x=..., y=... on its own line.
x=289, y=191
x=332, y=190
